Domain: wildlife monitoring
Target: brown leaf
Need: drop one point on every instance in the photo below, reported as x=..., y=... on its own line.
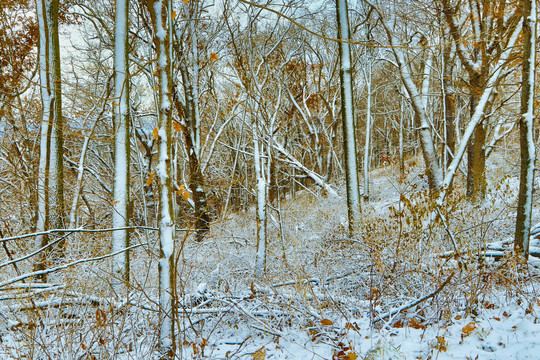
x=415, y=324
x=150, y=179
x=259, y=354
x=176, y=126
x=155, y=133
x=441, y=343
x=101, y=317
x=185, y=195
x=326, y=322
x=467, y=329
x=214, y=57
x=398, y=324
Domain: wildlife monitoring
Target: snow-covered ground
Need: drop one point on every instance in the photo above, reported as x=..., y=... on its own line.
x=324, y=296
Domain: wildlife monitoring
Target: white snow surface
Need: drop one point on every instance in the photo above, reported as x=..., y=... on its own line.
x=292, y=312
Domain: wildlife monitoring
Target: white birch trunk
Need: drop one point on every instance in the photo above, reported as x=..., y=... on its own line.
x=347, y=112
x=120, y=215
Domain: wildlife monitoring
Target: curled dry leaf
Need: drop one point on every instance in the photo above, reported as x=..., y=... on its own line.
x=467, y=329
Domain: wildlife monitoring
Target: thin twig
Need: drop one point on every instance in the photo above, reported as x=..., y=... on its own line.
x=65, y=266
x=52, y=231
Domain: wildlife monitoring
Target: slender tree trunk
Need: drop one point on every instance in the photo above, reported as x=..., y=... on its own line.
x=120, y=216
x=528, y=151
x=196, y=179
x=347, y=115
x=56, y=157
x=449, y=106
x=262, y=195
x=45, y=128
x=368, y=131
x=160, y=14
x=401, y=153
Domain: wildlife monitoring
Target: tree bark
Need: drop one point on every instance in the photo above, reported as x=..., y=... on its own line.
x=347, y=115
x=528, y=151
x=160, y=13
x=122, y=156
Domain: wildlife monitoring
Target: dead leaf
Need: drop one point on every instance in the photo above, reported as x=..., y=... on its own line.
x=467, y=329
x=150, y=179
x=155, y=133
x=441, y=343
x=415, y=324
x=214, y=57
x=185, y=195
x=176, y=126
x=186, y=2
x=259, y=354
x=174, y=14
x=101, y=317
x=326, y=322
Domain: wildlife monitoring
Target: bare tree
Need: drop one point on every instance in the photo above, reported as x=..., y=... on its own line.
x=488, y=23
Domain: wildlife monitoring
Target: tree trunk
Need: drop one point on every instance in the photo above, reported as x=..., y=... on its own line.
x=368, y=131
x=121, y=120
x=528, y=151
x=449, y=106
x=347, y=115
x=160, y=14
x=476, y=165
x=56, y=151
x=43, y=170
x=262, y=194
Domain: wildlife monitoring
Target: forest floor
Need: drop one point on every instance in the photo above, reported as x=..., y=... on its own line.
x=399, y=290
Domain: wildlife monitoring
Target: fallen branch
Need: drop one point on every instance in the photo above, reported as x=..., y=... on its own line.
x=415, y=302
x=314, y=280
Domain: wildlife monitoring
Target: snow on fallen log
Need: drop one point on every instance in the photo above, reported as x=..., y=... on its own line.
x=498, y=249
